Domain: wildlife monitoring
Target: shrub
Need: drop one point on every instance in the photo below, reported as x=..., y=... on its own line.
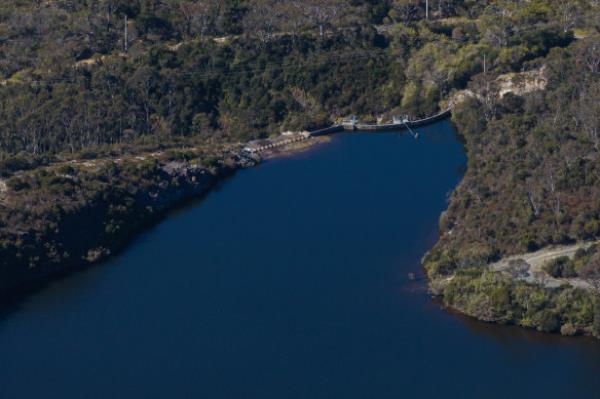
x=17, y=184
x=546, y=320
x=568, y=329
x=562, y=267
x=591, y=228
x=67, y=170
x=174, y=155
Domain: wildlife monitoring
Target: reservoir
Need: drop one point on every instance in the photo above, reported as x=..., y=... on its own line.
x=288, y=281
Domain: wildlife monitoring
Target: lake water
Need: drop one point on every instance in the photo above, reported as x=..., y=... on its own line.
x=289, y=281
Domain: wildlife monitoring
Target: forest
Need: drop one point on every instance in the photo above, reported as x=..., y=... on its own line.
x=80, y=75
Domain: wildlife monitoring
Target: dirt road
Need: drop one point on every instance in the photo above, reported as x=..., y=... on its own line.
x=536, y=261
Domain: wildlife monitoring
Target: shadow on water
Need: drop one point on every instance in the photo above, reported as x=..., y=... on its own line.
x=12, y=301
x=507, y=335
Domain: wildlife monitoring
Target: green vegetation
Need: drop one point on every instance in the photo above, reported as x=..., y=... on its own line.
x=69, y=215
x=562, y=267
x=532, y=177
x=493, y=297
x=532, y=181
x=565, y=267
x=78, y=76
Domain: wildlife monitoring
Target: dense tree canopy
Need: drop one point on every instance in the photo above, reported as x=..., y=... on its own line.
x=79, y=74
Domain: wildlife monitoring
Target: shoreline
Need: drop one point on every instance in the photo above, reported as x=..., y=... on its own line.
x=16, y=284
x=35, y=279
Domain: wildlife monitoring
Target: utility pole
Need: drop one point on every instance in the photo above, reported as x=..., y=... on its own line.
x=126, y=38
x=484, y=65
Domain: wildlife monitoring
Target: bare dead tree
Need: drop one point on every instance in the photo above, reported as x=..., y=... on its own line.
x=591, y=273
x=551, y=178
x=195, y=15
x=262, y=19
x=294, y=15
x=569, y=14
x=587, y=114
x=589, y=56
x=404, y=11
x=324, y=12
x=534, y=196
x=486, y=88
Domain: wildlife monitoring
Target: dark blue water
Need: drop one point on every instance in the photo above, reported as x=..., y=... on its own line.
x=290, y=281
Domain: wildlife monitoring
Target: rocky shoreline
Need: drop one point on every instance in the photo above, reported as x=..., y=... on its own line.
x=91, y=230
x=96, y=223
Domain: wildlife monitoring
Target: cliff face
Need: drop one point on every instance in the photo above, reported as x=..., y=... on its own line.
x=521, y=83
x=46, y=239
x=516, y=83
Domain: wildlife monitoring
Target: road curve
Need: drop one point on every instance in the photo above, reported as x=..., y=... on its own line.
x=536, y=261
